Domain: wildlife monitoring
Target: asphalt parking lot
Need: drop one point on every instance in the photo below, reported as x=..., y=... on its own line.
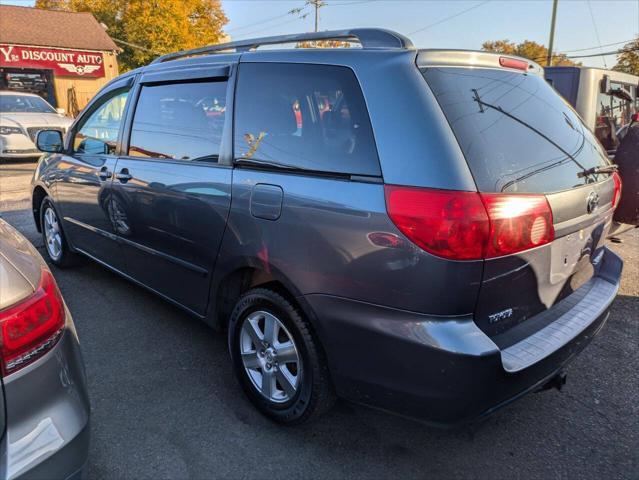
x=165, y=403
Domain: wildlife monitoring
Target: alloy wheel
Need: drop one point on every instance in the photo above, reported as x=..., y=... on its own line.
x=52, y=233
x=270, y=357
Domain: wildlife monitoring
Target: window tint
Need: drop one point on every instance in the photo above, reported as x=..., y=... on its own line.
x=99, y=132
x=304, y=116
x=182, y=121
x=514, y=130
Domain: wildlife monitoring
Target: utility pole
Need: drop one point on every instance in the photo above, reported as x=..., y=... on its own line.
x=552, y=32
x=317, y=4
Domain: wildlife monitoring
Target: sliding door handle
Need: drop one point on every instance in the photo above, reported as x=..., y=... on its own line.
x=104, y=173
x=123, y=175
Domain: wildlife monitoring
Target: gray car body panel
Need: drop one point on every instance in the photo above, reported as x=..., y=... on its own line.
x=46, y=402
x=327, y=241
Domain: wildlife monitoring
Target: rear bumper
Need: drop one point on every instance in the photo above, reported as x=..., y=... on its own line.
x=47, y=410
x=441, y=370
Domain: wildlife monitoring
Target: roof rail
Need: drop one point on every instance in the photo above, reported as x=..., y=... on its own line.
x=369, y=38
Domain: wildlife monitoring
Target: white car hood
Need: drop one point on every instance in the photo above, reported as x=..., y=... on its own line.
x=35, y=119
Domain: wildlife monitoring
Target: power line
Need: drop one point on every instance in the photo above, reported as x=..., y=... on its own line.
x=594, y=24
x=615, y=52
x=600, y=46
x=245, y=34
x=260, y=22
x=133, y=45
x=349, y=3
x=450, y=17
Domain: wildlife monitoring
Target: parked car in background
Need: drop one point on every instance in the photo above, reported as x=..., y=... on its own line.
x=605, y=99
x=44, y=411
x=22, y=116
x=409, y=229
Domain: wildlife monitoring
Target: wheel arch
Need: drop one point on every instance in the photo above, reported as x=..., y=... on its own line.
x=242, y=277
x=38, y=194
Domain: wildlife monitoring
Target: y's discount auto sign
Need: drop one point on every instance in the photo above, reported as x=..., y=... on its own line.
x=68, y=63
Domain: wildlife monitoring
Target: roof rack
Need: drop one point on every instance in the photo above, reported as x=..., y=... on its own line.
x=369, y=38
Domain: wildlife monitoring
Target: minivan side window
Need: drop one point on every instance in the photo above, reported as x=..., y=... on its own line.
x=98, y=134
x=179, y=121
x=311, y=117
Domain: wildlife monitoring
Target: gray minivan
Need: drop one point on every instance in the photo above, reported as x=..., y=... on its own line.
x=417, y=230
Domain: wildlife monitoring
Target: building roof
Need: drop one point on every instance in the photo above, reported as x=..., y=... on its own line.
x=52, y=28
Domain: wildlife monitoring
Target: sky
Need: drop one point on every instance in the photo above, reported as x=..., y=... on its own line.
x=581, y=24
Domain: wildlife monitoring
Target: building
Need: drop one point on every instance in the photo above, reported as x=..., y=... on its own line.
x=65, y=57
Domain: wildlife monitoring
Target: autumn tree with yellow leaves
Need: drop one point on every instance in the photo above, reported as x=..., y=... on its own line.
x=527, y=49
x=145, y=29
x=628, y=58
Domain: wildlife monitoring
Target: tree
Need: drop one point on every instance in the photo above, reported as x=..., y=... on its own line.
x=157, y=26
x=527, y=49
x=628, y=60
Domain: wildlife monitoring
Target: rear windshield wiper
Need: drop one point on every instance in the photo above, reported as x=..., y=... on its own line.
x=584, y=171
x=612, y=168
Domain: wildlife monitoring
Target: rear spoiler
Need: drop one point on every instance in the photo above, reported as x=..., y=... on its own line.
x=472, y=58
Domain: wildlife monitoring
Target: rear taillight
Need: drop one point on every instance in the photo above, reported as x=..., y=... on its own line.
x=469, y=225
x=446, y=223
x=517, y=223
x=616, y=194
x=32, y=327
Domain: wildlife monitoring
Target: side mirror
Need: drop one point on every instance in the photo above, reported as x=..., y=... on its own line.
x=49, y=141
x=61, y=111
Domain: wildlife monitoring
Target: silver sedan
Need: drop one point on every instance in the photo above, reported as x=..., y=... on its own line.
x=45, y=416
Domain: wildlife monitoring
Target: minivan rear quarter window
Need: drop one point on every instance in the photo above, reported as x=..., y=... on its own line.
x=515, y=130
x=310, y=117
x=180, y=121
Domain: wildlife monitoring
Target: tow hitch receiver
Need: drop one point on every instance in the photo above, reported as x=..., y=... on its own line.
x=558, y=381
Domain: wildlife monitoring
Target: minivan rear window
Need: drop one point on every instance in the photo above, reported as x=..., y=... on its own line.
x=517, y=134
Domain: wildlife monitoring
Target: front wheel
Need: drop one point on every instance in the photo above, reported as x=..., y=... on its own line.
x=55, y=243
x=277, y=360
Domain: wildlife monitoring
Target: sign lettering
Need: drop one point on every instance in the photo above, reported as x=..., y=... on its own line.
x=67, y=63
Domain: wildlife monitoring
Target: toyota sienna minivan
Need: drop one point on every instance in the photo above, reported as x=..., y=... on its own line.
x=422, y=231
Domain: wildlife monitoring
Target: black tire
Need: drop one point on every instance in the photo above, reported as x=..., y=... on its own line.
x=66, y=258
x=315, y=394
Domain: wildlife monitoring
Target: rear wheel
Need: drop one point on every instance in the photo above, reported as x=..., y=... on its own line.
x=277, y=360
x=55, y=243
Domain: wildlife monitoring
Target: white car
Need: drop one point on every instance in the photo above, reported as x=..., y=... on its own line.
x=22, y=116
